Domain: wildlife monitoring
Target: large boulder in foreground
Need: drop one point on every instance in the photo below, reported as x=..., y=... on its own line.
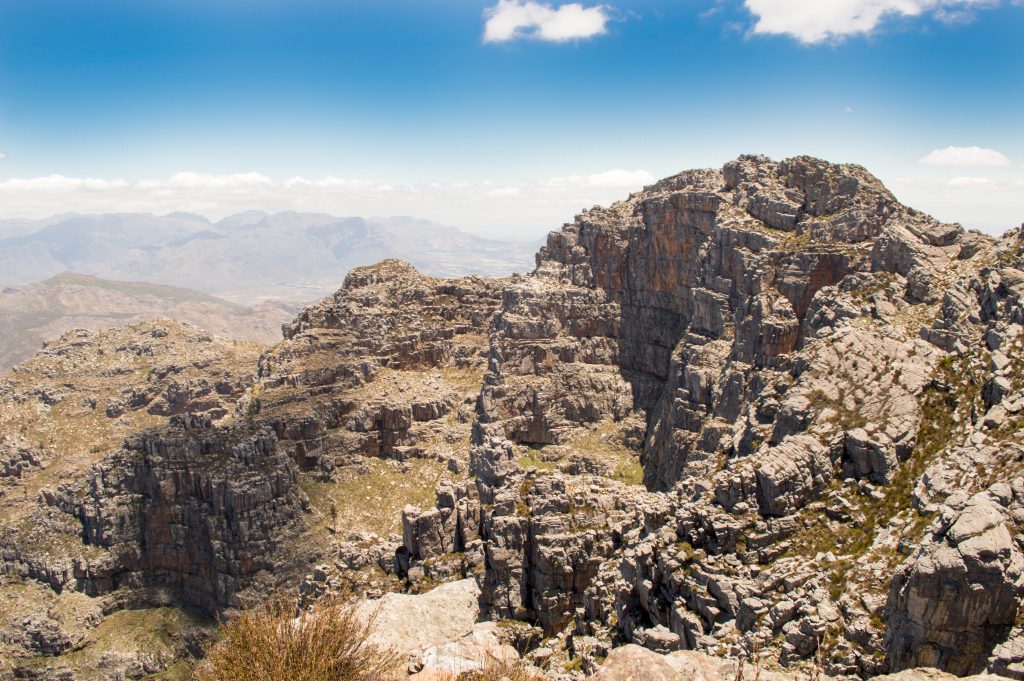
x=437, y=633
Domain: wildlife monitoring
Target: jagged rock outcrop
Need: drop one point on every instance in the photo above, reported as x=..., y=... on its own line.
x=959, y=593
x=685, y=298
x=190, y=515
x=783, y=330
x=376, y=369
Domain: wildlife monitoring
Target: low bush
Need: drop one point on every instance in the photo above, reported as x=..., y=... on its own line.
x=330, y=643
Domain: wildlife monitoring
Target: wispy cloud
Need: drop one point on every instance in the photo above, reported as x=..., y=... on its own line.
x=609, y=178
x=2, y=155
x=816, y=21
x=529, y=207
x=60, y=183
x=192, y=180
x=514, y=19
x=972, y=183
x=978, y=202
x=965, y=157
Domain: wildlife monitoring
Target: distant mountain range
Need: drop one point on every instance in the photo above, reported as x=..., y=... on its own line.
x=34, y=313
x=247, y=257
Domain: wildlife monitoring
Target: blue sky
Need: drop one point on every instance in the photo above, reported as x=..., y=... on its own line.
x=502, y=117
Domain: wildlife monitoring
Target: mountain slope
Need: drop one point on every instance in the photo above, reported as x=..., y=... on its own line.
x=246, y=257
x=32, y=314
x=761, y=412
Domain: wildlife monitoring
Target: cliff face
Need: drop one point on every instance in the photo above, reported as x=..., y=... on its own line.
x=109, y=517
x=189, y=516
x=685, y=300
x=763, y=408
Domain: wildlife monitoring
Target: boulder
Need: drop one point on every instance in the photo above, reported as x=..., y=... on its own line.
x=958, y=595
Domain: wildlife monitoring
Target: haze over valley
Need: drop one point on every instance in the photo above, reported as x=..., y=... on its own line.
x=245, y=258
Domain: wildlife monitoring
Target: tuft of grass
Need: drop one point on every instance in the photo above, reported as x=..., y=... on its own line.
x=330, y=643
x=529, y=461
x=630, y=473
x=372, y=500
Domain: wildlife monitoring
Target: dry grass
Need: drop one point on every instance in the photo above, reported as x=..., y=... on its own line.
x=328, y=644
x=604, y=443
x=373, y=501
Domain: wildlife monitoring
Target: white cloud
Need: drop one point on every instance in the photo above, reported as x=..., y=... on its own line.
x=334, y=183
x=504, y=191
x=609, y=178
x=525, y=209
x=202, y=181
x=815, y=21
x=976, y=202
x=2, y=155
x=513, y=19
x=59, y=183
x=965, y=157
x=972, y=183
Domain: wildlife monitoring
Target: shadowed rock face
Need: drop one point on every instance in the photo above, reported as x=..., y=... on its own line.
x=958, y=595
x=189, y=515
x=684, y=299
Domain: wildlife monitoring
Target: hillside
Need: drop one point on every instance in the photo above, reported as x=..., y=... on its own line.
x=245, y=258
x=61, y=413
x=34, y=313
x=764, y=413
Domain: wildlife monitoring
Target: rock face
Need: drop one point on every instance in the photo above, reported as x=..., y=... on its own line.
x=378, y=367
x=763, y=411
x=959, y=593
x=181, y=517
x=190, y=515
x=685, y=298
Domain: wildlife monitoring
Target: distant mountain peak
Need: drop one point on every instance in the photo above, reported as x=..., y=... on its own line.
x=194, y=217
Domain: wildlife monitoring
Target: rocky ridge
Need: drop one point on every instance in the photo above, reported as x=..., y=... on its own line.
x=43, y=311
x=81, y=489
x=821, y=374
x=758, y=411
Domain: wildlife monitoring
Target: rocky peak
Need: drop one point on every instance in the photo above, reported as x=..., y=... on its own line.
x=668, y=301
x=776, y=328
